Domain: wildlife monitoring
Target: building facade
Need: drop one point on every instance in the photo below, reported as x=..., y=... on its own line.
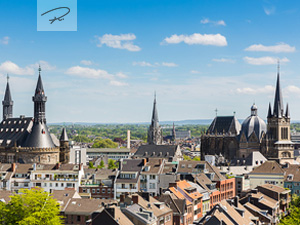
x=27, y=139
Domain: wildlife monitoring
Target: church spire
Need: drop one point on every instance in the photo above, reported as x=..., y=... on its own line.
x=154, y=132
x=269, y=111
x=287, y=111
x=154, y=121
x=7, y=102
x=39, y=99
x=173, y=132
x=278, y=101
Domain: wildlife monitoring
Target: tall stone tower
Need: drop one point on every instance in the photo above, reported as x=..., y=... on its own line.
x=173, y=133
x=64, y=155
x=279, y=144
x=39, y=143
x=7, y=103
x=155, y=131
x=39, y=100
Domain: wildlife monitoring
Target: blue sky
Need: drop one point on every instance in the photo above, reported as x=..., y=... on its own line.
x=197, y=55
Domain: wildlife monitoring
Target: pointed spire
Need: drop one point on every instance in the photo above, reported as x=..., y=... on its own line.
x=154, y=121
x=39, y=99
x=278, y=101
x=269, y=111
x=7, y=96
x=64, y=136
x=7, y=102
x=287, y=111
x=39, y=87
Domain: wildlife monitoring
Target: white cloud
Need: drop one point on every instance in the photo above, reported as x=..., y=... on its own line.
x=269, y=10
x=292, y=89
x=122, y=41
x=219, y=22
x=12, y=68
x=86, y=72
x=121, y=75
x=5, y=40
x=195, y=72
x=169, y=64
x=143, y=63
x=264, y=60
x=197, y=39
x=280, y=47
x=86, y=62
x=224, y=60
x=252, y=91
x=44, y=65
x=117, y=83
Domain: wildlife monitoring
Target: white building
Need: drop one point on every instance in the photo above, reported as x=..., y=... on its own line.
x=56, y=176
x=77, y=155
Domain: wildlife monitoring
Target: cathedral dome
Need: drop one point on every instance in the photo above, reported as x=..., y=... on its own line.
x=254, y=124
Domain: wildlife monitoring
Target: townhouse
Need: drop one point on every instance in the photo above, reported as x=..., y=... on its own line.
x=149, y=178
x=270, y=172
x=56, y=176
x=220, y=187
x=191, y=194
x=182, y=212
x=128, y=179
x=143, y=205
x=99, y=183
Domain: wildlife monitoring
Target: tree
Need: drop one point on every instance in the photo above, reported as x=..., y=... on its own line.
x=102, y=165
x=31, y=207
x=91, y=165
x=112, y=164
x=294, y=216
x=185, y=157
x=104, y=143
x=81, y=138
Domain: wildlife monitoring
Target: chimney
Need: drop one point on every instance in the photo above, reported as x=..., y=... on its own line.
x=13, y=167
x=128, y=139
x=173, y=185
x=160, y=161
x=236, y=201
x=145, y=161
x=135, y=199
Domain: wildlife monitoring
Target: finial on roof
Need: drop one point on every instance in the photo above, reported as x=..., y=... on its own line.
x=216, y=110
x=40, y=69
x=278, y=66
x=7, y=77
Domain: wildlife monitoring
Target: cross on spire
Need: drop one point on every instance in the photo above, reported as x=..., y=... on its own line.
x=278, y=66
x=7, y=77
x=216, y=110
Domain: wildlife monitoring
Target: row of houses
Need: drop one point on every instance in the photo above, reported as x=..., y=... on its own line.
x=179, y=205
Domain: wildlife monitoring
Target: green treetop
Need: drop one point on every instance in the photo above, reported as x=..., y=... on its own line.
x=31, y=207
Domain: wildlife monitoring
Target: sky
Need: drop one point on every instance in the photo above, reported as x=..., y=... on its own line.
x=196, y=55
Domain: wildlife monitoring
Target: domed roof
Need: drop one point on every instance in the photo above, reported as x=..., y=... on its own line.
x=253, y=123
